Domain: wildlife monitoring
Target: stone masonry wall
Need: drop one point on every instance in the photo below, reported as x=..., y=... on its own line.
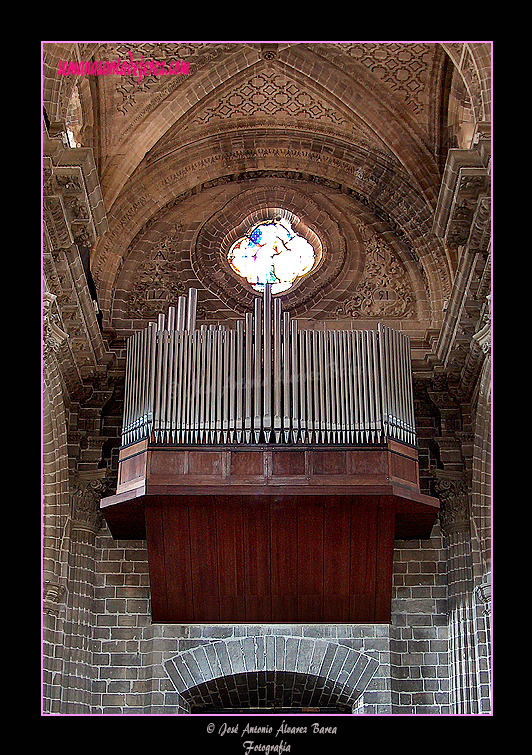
x=142, y=668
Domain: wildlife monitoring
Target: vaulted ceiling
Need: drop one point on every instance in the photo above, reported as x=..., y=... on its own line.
x=347, y=138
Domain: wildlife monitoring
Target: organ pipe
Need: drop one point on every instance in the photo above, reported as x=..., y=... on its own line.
x=266, y=380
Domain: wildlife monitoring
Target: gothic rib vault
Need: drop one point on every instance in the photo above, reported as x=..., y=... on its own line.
x=362, y=149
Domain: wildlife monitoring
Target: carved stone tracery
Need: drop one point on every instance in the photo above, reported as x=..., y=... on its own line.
x=403, y=68
x=268, y=91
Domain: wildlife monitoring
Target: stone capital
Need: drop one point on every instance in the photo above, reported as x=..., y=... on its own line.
x=453, y=491
x=85, y=494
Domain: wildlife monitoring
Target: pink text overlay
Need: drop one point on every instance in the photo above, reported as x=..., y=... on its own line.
x=129, y=67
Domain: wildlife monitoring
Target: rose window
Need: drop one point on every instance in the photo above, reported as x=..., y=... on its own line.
x=272, y=253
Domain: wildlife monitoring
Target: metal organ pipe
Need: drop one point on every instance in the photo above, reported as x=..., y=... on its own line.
x=258, y=383
x=265, y=380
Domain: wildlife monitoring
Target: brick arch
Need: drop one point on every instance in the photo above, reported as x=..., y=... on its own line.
x=341, y=672
x=353, y=100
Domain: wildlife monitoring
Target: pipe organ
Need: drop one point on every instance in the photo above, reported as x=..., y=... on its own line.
x=266, y=381
x=268, y=467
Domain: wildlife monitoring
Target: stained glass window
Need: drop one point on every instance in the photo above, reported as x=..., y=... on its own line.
x=272, y=253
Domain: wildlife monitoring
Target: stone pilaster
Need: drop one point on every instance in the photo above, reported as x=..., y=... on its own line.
x=454, y=493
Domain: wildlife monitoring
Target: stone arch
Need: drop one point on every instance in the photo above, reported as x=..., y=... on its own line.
x=357, y=96
x=261, y=202
x=469, y=100
x=323, y=672
x=336, y=223
x=137, y=209
x=185, y=93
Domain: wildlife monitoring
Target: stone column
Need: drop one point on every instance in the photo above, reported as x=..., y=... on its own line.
x=84, y=523
x=454, y=493
x=55, y=504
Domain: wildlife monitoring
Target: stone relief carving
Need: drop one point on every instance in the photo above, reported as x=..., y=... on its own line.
x=483, y=598
x=157, y=284
x=53, y=597
x=53, y=335
x=129, y=89
x=301, y=156
x=384, y=290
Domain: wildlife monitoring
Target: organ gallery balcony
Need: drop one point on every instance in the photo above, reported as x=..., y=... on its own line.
x=269, y=468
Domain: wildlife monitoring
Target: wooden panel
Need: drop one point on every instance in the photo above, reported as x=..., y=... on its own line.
x=366, y=463
x=310, y=558
x=397, y=446
x=204, y=559
x=247, y=464
x=284, y=563
x=257, y=558
x=205, y=463
x=177, y=558
x=230, y=540
x=385, y=551
x=336, y=559
x=134, y=448
x=363, y=560
x=132, y=468
x=288, y=463
x=156, y=563
x=329, y=462
x=403, y=468
x=125, y=517
x=267, y=550
x=168, y=463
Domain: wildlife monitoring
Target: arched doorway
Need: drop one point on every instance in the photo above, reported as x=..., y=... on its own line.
x=271, y=674
x=268, y=692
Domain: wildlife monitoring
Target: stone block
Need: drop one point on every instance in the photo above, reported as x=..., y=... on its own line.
x=213, y=660
x=223, y=657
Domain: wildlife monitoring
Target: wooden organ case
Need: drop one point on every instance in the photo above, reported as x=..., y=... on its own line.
x=269, y=468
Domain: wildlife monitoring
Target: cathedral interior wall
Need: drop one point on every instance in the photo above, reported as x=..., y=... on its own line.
x=382, y=155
